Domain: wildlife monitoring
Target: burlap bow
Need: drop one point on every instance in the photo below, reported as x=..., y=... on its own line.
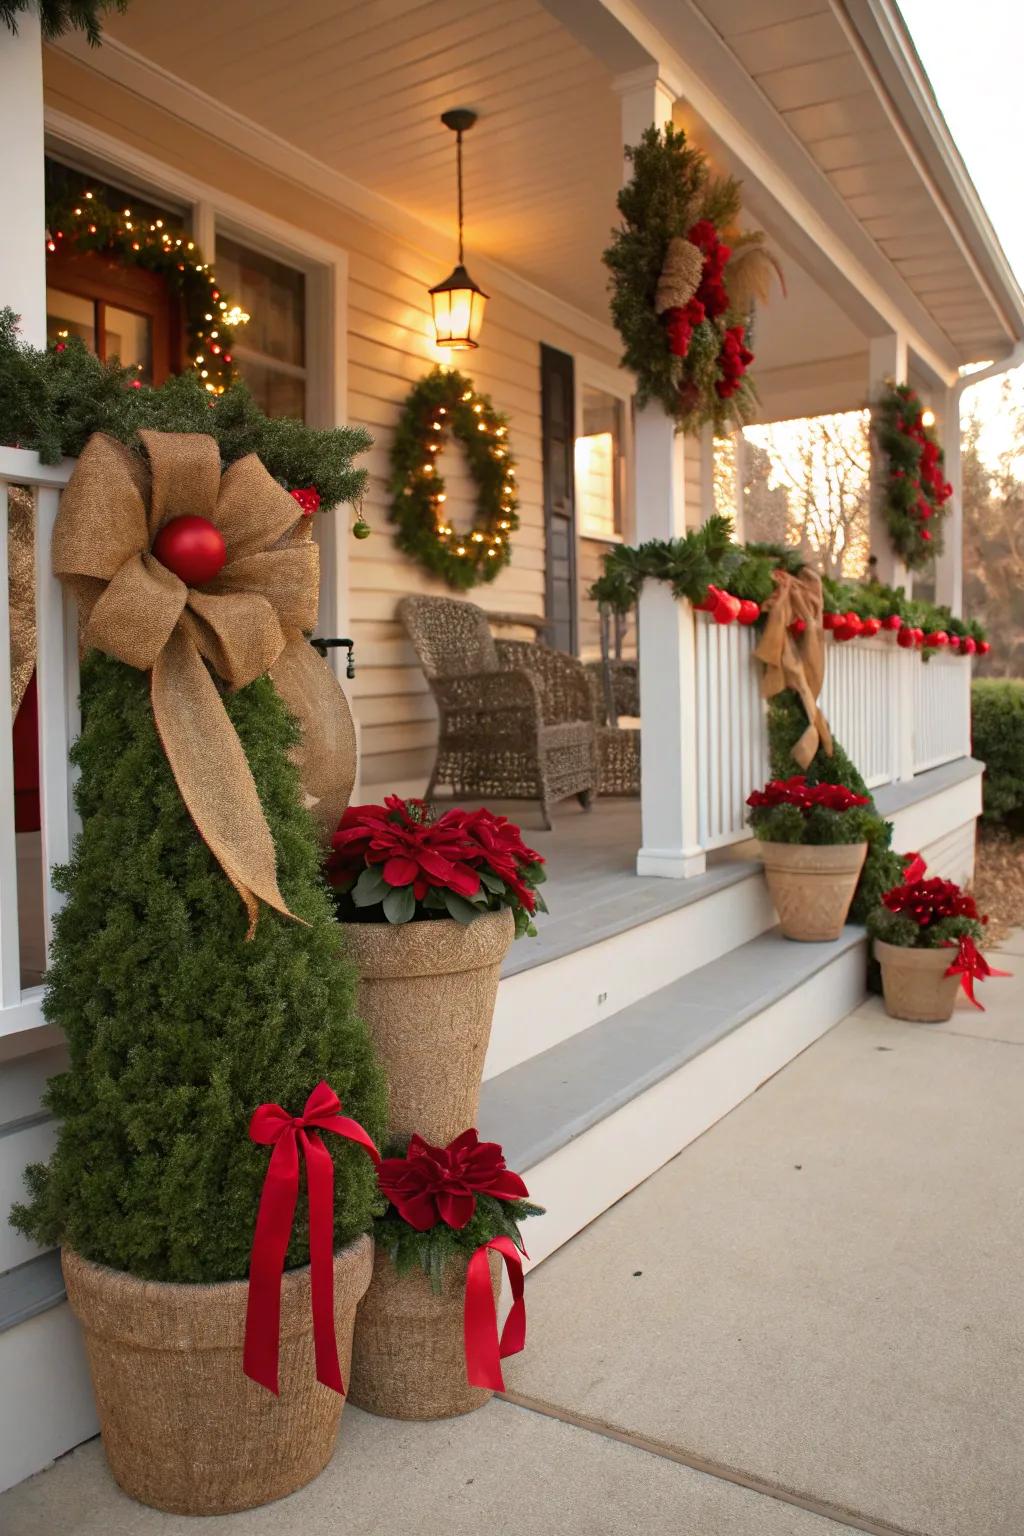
x=797, y=661
x=247, y=621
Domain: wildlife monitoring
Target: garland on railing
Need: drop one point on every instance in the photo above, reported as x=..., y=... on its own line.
x=916, y=488
x=684, y=282
x=731, y=581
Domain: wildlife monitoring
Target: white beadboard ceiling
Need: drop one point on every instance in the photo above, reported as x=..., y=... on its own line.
x=361, y=84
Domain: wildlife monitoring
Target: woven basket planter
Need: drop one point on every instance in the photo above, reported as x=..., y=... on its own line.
x=183, y=1429
x=408, y=1358
x=914, y=983
x=812, y=887
x=426, y=993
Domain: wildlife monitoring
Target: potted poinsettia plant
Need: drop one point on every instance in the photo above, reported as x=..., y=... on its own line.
x=926, y=935
x=813, y=840
x=426, y=1344
x=429, y=906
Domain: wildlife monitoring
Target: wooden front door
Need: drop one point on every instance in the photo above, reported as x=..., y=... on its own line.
x=118, y=311
x=558, y=418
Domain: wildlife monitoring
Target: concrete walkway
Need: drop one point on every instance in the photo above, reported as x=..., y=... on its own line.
x=809, y=1322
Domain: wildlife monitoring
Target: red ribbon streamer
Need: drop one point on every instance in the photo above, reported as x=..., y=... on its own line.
x=970, y=965
x=484, y=1353
x=272, y=1127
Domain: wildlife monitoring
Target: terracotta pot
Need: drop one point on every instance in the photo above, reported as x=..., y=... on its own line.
x=914, y=984
x=812, y=887
x=183, y=1429
x=426, y=993
x=408, y=1358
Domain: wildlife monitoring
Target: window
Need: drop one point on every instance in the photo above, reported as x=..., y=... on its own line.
x=600, y=464
x=270, y=352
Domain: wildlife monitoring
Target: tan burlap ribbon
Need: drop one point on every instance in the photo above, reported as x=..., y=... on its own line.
x=247, y=621
x=21, y=581
x=797, y=661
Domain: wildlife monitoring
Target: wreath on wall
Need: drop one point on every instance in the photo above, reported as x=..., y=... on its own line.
x=916, y=488
x=684, y=283
x=81, y=218
x=441, y=406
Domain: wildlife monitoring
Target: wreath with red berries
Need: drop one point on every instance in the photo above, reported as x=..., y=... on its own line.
x=684, y=284
x=916, y=488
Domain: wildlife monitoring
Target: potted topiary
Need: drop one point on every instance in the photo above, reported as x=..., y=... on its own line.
x=813, y=840
x=186, y=1008
x=429, y=905
x=426, y=1343
x=914, y=928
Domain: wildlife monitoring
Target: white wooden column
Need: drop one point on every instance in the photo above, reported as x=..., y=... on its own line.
x=668, y=683
x=887, y=364
x=949, y=566
x=23, y=228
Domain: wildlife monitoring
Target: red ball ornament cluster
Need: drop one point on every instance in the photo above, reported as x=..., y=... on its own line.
x=850, y=626
x=192, y=547
x=724, y=608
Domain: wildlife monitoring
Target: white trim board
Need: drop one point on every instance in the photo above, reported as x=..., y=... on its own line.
x=137, y=74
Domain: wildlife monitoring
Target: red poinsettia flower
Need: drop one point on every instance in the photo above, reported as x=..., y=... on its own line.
x=308, y=498
x=926, y=902
x=497, y=845
x=806, y=797
x=432, y=1184
x=421, y=853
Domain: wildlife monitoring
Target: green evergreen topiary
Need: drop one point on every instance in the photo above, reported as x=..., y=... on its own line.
x=882, y=867
x=177, y=1027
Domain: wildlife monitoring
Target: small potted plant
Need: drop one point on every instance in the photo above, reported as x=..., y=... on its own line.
x=813, y=840
x=426, y=1344
x=914, y=928
x=429, y=906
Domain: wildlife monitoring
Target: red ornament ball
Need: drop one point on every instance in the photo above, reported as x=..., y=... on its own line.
x=750, y=611
x=192, y=547
x=892, y=621
x=798, y=627
x=870, y=627
x=308, y=498
x=905, y=639
x=984, y=646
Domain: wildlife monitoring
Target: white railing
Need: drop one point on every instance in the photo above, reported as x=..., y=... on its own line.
x=942, y=711
x=894, y=713
x=732, y=741
x=57, y=686
x=860, y=703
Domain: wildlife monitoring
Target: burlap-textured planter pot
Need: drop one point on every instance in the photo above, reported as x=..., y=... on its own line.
x=183, y=1429
x=408, y=1359
x=914, y=984
x=812, y=887
x=426, y=993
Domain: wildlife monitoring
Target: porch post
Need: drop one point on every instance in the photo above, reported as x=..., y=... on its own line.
x=949, y=566
x=887, y=363
x=22, y=231
x=666, y=634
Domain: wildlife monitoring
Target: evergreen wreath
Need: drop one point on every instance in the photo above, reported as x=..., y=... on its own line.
x=684, y=282
x=444, y=405
x=916, y=488
x=79, y=217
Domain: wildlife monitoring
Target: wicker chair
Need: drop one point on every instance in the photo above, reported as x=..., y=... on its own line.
x=615, y=691
x=516, y=719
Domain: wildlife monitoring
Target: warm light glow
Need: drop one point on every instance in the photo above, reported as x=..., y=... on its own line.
x=235, y=316
x=928, y=418
x=458, y=306
x=595, y=483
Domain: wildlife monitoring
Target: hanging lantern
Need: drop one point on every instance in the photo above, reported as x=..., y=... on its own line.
x=458, y=303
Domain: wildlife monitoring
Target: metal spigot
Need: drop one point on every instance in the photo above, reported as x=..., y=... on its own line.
x=324, y=645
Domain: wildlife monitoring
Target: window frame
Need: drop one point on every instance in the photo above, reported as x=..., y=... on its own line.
x=615, y=382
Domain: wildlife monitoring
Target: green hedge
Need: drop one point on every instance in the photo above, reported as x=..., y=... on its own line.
x=997, y=723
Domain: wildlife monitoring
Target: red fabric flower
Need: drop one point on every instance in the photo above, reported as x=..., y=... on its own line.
x=432, y=1184
x=308, y=498
x=680, y=325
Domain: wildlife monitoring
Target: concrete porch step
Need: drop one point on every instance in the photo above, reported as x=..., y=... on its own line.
x=600, y=1111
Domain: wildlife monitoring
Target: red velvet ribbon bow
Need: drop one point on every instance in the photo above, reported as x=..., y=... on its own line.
x=272, y=1127
x=970, y=965
x=484, y=1352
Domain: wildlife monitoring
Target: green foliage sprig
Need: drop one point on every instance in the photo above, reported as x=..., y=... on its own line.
x=432, y=1250
x=701, y=557
x=670, y=191
x=441, y=406
x=79, y=217
x=916, y=490
x=52, y=402
x=896, y=928
x=875, y=600
x=177, y=1027
x=59, y=16
x=997, y=729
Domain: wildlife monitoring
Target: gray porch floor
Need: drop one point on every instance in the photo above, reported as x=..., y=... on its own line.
x=809, y=1322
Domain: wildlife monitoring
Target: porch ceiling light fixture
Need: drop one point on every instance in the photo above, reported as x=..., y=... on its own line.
x=458, y=303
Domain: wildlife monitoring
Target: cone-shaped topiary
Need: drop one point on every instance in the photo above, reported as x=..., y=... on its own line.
x=177, y=1027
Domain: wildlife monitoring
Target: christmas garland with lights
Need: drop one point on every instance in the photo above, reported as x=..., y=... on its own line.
x=441, y=406
x=83, y=221
x=916, y=488
x=684, y=284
